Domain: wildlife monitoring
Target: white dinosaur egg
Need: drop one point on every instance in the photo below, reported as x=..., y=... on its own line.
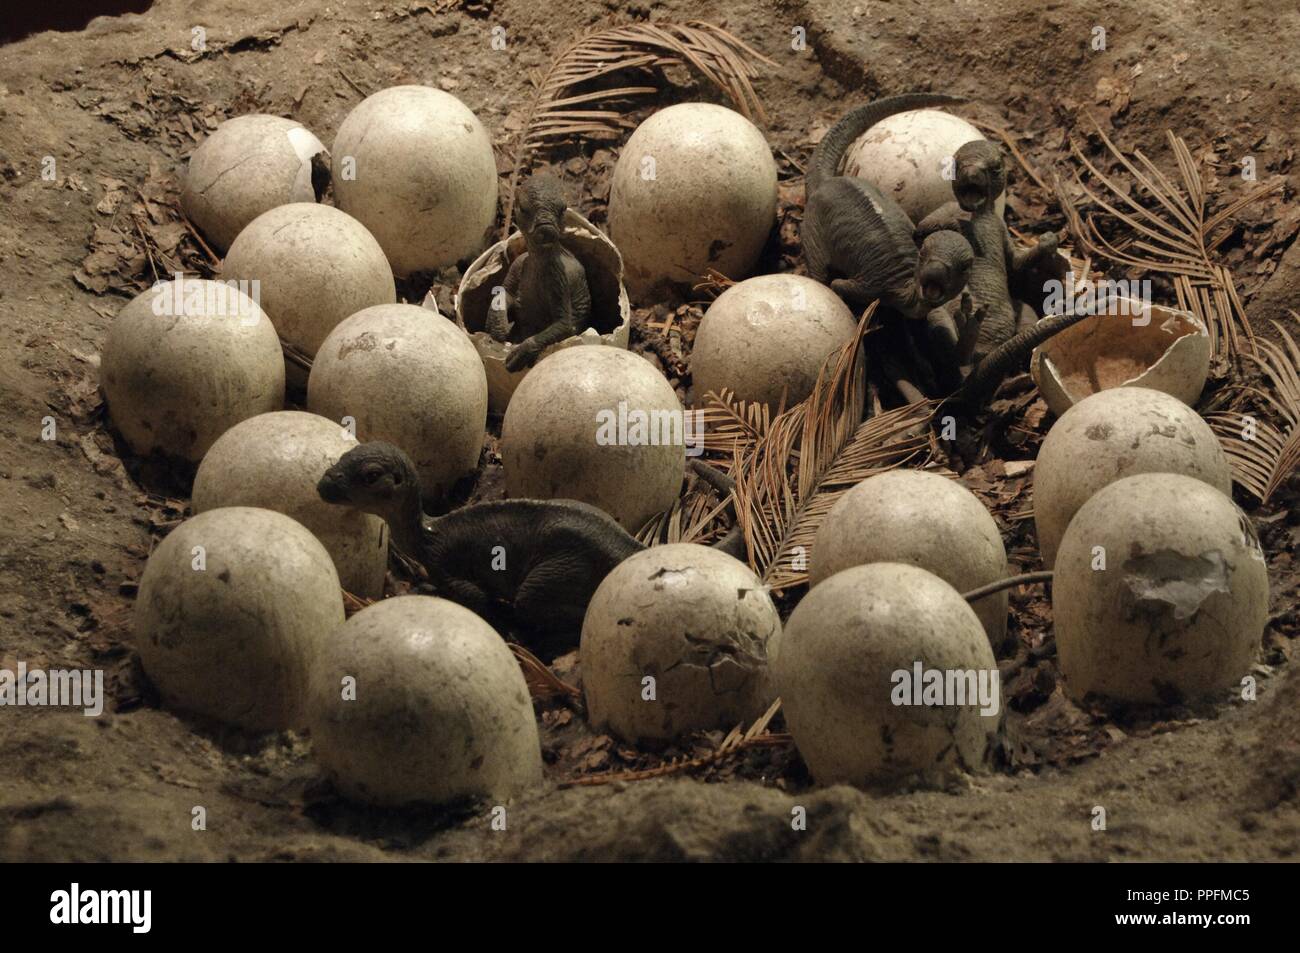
x=675, y=640
x=249, y=165
x=693, y=189
x=411, y=377
x=904, y=156
x=186, y=360
x=922, y=519
x=599, y=425
x=1113, y=434
x=767, y=336
x=1160, y=593
x=885, y=675
x=313, y=266
x=415, y=165
x=274, y=461
x=232, y=606
x=417, y=699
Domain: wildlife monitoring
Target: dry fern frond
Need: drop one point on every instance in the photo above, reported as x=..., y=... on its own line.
x=789, y=478
x=1173, y=236
x=735, y=742
x=1261, y=455
x=564, y=106
x=733, y=426
x=541, y=681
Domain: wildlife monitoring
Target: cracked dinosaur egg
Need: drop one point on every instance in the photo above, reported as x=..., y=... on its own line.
x=313, y=266
x=767, y=337
x=482, y=287
x=675, y=640
x=922, y=519
x=406, y=375
x=416, y=167
x=600, y=425
x=908, y=157
x=232, y=607
x=274, y=461
x=418, y=700
x=1113, y=434
x=886, y=676
x=249, y=165
x=694, y=190
x=1160, y=593
x=186, y=360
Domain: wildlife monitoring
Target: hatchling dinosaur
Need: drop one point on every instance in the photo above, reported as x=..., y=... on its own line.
x=546, y=289
x=544, y=558
x=860, y=241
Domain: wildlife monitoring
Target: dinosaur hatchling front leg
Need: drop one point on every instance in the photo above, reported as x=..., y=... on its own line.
x=504, y=301
x=527, y=351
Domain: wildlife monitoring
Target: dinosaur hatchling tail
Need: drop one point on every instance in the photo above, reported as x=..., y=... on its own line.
x=826, y=157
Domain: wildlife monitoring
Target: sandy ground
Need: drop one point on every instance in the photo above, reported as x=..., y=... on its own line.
x=125, y=101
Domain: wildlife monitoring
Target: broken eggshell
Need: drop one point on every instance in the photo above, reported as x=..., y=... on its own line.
x=611, y=313
x=1160, y=593
x=1170, y=353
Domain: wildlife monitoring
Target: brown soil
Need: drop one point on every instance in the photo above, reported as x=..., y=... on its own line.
x=119, y=106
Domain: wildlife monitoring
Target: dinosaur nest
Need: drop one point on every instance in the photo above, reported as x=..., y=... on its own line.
x=274, y=461
x=907, y=155
x=675, y=640
x=922, y=519
x=415, y=166
x=600, y=425
x=273, y=159
x=1160, y=594
x=227, y=624
x=185, y=361
x=412, y=378
x=852, y=668
x=694, y=190
x=313, y=266
x=417, y=699
x=1115, y=434
x=611, y=314
x=766, y=339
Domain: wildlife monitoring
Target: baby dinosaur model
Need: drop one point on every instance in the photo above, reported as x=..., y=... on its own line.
x=546, y=290
x=860, y=241
x=980, y=179
x=543, y=557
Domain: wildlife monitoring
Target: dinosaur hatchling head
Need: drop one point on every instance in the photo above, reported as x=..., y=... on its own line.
x=943, y=266
x=980, y=175
x=541, y=206
x=370, y=477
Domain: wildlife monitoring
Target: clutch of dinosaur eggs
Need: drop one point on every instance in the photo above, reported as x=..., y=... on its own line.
x=415, y=166
x=694, y=190
x=249, y=165
x=767, y=338
x=908, y=156
x=483, y=286
x=1128, y=346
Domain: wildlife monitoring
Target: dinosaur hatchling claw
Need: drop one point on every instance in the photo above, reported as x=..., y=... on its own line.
x=521, y=356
